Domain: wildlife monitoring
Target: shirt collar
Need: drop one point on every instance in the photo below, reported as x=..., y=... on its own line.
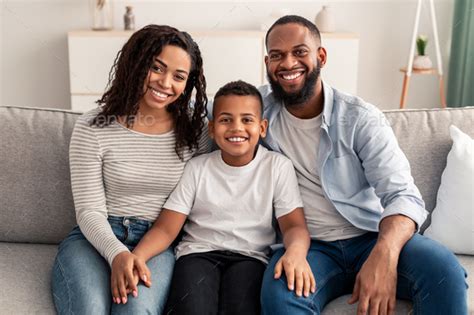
x=328, y=94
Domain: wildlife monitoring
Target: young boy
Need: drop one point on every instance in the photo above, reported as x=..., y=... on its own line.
x=229, y=198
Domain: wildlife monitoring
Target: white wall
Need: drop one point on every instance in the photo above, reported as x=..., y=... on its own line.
x=33, y=46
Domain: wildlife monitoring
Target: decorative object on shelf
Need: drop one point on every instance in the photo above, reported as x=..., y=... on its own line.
x=325, y=20
x=269, y=20
x=422, y=61
x=102, y=14
x=129, y=19
x=421, y=45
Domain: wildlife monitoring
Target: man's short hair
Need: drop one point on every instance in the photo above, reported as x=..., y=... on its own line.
x=240, y=88
x=287, y=19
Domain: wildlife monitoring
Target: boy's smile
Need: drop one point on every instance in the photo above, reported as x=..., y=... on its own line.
x=237, y=127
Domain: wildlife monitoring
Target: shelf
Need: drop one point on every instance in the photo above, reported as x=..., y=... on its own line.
x=421, y=71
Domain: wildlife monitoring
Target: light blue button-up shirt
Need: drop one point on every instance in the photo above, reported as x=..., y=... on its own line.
x=363, y=171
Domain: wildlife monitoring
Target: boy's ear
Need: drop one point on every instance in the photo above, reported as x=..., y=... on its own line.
x=210, y=126
x=263, y=128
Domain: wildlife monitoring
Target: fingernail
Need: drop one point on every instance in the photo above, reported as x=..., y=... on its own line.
x=135, y=293
x=144, y=278
x=291, y=287
x=118, y=300
x=124, y=300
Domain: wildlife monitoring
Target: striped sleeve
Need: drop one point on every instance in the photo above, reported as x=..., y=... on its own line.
x=88, y=191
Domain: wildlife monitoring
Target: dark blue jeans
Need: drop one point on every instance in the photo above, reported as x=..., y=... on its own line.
x=428, y=274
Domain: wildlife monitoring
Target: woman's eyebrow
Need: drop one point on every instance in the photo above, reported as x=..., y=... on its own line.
x=166, y=66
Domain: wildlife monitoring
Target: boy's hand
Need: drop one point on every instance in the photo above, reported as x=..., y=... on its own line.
x=297, y=270
x=127, y=269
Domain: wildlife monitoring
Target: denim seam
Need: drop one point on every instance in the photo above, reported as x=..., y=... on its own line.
x=414, y=288
x=334, y=273
x=341, y=246
x=61, y=269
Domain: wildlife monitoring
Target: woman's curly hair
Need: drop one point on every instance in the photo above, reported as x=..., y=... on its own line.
x=130, y=70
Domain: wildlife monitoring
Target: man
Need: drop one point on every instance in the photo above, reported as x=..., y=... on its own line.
x=361, y=205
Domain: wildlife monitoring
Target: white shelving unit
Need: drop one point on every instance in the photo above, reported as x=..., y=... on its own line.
x=227, y=56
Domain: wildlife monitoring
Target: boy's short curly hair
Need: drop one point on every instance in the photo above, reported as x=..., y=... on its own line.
x=240, y=88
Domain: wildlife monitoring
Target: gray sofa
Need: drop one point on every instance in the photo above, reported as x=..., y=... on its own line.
x=37, y=211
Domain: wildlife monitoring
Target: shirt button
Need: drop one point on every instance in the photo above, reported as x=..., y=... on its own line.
x=126, y=222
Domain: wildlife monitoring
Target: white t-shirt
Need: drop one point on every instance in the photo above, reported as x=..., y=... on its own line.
x=299, y=140
x=231, y=208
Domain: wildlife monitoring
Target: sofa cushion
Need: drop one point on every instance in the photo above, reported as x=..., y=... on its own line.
x=423, y=135
x=339, y=306
x=25, y=272
x=452, y=220
x=25, y=269
x=35, y=188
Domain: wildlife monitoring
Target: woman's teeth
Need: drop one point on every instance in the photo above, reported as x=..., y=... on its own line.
x=159, y=94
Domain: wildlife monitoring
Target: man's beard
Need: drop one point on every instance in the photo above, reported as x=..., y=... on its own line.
x=300, y=97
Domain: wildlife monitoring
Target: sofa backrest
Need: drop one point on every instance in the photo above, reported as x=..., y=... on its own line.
x=36, y=203
x=423, y=135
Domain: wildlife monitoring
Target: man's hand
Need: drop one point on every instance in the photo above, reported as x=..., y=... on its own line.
x=127, y=269
x=376, y=283
x=297, y=269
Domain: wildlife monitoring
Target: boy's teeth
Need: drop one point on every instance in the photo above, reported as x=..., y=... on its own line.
x=291, y=76
x=236, y=139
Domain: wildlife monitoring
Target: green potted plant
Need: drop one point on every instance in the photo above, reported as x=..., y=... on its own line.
x=422, y=61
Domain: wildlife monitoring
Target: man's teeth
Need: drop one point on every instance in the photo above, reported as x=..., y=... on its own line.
x=159, y=94
x=291, y=76
x=236, y=139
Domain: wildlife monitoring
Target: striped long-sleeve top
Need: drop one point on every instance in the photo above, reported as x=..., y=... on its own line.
x=119, y=172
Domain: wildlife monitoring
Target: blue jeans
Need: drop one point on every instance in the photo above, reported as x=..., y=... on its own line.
x=81, y=276
x=428, y=274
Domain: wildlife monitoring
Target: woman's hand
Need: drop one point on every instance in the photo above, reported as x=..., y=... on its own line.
x=127, y=269
x=297, y=270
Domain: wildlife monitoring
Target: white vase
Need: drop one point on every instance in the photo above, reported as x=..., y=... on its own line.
x=325, y=20
x=102, y=14
x=422, y=62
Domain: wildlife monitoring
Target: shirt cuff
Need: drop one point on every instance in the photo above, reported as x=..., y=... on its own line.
x=114, y=252
x=409, y=208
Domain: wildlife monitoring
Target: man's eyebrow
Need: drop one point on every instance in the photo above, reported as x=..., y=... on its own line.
x=294, y=47
x=166, y=66
x=300, y=45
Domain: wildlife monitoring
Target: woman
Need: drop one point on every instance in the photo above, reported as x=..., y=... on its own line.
x=126, y=157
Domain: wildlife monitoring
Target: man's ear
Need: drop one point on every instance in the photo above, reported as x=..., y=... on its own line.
x=266, y=61
x=210, y=126
x=322, y=56
x=263, y=128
